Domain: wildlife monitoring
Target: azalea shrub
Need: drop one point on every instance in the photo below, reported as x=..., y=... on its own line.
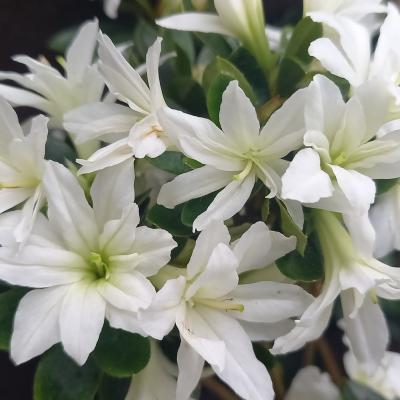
x=208, y=207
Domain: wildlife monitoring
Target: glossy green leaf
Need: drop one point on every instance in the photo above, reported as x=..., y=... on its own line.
x=263, y=355
x=225, y=67
x=58, y=377
x=290, y=228
x=9, y=300
x=169, y=219
x=113, y=388
x=214, y=96
x=121, y=354
x=384, y=185
x=307, y=268
x=193, y=208
x=216, y=43
x=290, y=74
x=171, y=161
x=58, y=150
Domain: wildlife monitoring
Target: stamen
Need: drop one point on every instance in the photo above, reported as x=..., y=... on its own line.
x=100, y=267
x=245, y=172
x=223, y=304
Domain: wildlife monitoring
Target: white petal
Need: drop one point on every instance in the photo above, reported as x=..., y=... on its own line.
x=119, y=181
x=9, y=125
x=238, y=116
x=310, y=383
x=95, y=120
x=118, y=235
x=304, y=180
x=68, y=209
x=206, y=242
x=81, y=320
x=284, y=131
x=367, y=332
x=219, y=276
x=242, y=372
x=270, y=301
x=9, y=198
x=36, y=326
x=198, y=22
x=227, y=203
x=159, y=318
x=123, y=80
x=40, y=267
x=259, y=332
x=111, y=8
x=108, y=156
x=358, y=189
x=154, y=247
x=259, y=247
x=202, y=140
x=128, y=292
x=80, y=54
x=152, y=63
x=181, y=188
x=190, y=366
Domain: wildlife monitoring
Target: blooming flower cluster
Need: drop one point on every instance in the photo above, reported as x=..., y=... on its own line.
x=231, y=194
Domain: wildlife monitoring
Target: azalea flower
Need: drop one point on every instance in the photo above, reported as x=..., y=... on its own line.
x=85, y=264
x=137, y=128
x=47, y=90
x=347, y=146
x=111, y=8
x=217, y=317
x=385, y=217
x=235, y=156
x=347, y=52
x=357, y=278
x=21, y=167
x=384, y=380
x=243, y=19
x=311, y=383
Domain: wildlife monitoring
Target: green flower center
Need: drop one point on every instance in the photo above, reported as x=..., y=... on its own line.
x=99, y=266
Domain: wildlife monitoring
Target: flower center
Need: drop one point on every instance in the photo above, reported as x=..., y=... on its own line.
x=245, y=172
x=99, y=266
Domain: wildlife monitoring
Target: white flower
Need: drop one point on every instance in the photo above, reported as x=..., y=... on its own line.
x=243, y=19
x=111, y=8
x=358, y=279
x=235, y=156
x=347, y=51
x=136, y=123
x=86, y=264
x=157, y=380
x=311, y=383
x=356, y=10
x=21, y=167
x=347, y=146
x=217, y=316
x=384, y=380
x=45, y=89
x=385, y=217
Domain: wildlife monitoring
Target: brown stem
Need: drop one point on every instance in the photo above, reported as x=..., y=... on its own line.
x=220, y=390
x=330, y=361
x=277, y=379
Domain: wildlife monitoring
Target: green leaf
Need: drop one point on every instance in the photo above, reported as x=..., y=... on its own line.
x=290, y=228
x=223, y=66
x=121, y=354
x=169, y=219
x=290, y=74
x=171, y=161
x=193, y=208
x=216, y=43
x=356, y=391
x=265, y=210
x=143, y=37
x=9, y=301
x=263, y=355
x=248, y=65
x=384, y=185
x=214, y=96
x=58, y=150
x=58, y=377
x=113, y=388
x=305, y=32
x=307, y=268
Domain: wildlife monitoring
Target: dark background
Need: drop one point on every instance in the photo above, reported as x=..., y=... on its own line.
x=25, y=27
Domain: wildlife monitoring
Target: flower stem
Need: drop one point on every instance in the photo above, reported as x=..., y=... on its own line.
x=330, y=361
